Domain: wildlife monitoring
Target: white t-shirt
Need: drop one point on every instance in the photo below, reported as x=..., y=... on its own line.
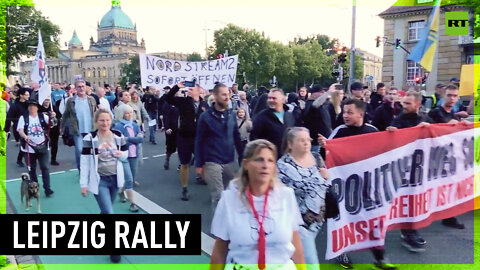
x=35, y=132
x=234, y=221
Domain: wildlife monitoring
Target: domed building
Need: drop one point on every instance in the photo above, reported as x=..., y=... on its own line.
x=100, y=64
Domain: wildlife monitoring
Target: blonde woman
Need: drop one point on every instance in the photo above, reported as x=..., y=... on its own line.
x=299, y=169
x=101, y=168
x=256, y=221
x=335, y=106
x=244, y=127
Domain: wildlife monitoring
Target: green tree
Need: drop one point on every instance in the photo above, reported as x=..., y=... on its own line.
x=285, y=68
x=130, y=71
x=22, y=24
x=194, y=57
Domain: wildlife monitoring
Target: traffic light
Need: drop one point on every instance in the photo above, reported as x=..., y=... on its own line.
x=418, y=79
x=398, y=43
x=378, y=41
x=342, y=58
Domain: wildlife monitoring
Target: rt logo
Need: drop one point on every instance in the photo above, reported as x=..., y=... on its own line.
x=456, y=23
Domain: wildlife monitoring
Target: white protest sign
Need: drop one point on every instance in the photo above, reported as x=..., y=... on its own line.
x=160, y=72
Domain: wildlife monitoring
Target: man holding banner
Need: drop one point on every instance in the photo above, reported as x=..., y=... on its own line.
x=353, y=117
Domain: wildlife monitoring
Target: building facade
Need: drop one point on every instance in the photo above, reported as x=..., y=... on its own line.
x=406, y=23
x=372, y=69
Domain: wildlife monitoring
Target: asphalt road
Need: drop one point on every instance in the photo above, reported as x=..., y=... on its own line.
x=444, y=245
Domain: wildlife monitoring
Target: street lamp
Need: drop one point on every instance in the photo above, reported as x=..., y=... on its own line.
x=256, y=73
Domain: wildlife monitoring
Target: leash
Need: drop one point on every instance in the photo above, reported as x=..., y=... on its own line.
x=28, y=157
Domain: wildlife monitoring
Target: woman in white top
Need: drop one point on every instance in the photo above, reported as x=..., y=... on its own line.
x=246, y=237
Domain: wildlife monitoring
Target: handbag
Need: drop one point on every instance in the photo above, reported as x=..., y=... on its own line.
x=67, y=137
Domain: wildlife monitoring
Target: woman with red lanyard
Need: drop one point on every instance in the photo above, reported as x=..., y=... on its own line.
x=257, y=219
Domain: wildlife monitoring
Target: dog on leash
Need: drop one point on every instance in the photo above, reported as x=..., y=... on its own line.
x=29, y=189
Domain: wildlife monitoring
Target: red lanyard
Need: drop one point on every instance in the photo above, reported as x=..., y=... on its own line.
x=261, y=232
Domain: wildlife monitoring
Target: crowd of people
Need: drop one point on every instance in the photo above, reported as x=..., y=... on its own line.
x=272, y=212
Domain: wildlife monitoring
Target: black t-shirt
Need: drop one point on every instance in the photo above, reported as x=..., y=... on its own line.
x=439, y=115
x=346, y=131
x=410, y=120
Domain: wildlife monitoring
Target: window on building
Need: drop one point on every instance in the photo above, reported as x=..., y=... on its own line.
x=98, y=71
x=414, y=29
x=93, y=72
x=104, y=72
x=89, y=73
x=413, y=70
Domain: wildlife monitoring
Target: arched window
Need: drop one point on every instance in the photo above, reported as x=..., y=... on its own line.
x=89, y=73
x=93, y=72
x=98, y=72
x=104, y=72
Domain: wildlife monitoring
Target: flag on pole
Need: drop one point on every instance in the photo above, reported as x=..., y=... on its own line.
x=39, y=72
x=424, y=52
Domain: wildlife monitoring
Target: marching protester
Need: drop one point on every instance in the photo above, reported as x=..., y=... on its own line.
x=244, y=127
x=335, y=105
x=190, y=107
x=294, y=107
x=104, y=103
x=135, y=100
x=70, y=91
x=216, y=138
x=315, y=115
x=271, y=123
x=243, y=103
x=151, y=105
x=299, y=169
x=78, y=117
x=259, y=102
x=170, y=122
x=376, y=98
x=302, y=96
x=391, y=107
x=125, y=98
x=353, y=117
x=257, y=219
x=33, y=129
x=445, y=114
x=54, y=115
x=101, y=171
x=134, y=138
x=19, y=108
x=411, y=117
x=235, y=98
x=357, y=92
x=57, y=93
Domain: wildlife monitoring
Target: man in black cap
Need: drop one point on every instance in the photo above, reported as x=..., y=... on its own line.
x=316, y=116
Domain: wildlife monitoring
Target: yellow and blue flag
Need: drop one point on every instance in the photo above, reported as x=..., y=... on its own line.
x=424, y=52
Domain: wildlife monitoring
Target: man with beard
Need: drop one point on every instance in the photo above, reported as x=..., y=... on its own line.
x=217, y=133
x=271, y=123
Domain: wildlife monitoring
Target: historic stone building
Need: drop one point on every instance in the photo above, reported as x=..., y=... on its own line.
x=405, y=23
x=372, y=69
x=100, y=64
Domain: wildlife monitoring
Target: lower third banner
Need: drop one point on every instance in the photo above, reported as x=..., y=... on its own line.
x=399, y=180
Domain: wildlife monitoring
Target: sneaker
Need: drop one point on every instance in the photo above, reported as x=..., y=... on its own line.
x=122, y=197
x=344, y=261
x=133, y=208
x=48, y=192
x=384, y=265
x=166, y=165
x=200, y=181
x=115, y=258
x=136, y=183
x=415, y=237
x=453, y=223
x=20, y=164
x=184, y=194
x=54, y=163
x=411, y=245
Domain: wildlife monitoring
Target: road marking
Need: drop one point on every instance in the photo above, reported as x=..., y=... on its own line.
x=159, y=155
x=57, y=172
x=153, y=208
x=72, y=170
x=18, y=179
x=145, y=158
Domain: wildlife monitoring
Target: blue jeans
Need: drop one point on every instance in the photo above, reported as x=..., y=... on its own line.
x=107, y=191
x=78, y=140
x=153, y=128
x=130, y=171
x=309, y=247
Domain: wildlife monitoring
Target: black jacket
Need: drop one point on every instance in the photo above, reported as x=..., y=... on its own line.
x=317, y=120
x=170, y=118
x=18, y=109
x=375, y=100
x=187, y=112
x=368, y=116
x=267, y=126
x=410, y=120
x=347, y=131
x=439, y=115
x=384, y=115
x=151, y=103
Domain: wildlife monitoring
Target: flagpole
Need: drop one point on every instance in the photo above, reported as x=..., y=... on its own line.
x=352, y=49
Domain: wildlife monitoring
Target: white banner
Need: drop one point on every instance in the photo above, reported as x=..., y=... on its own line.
x=160, y=72
x=39, y=72
x=410, y=186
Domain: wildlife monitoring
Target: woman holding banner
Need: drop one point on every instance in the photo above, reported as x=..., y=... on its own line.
x=256, y=221
x=299, y=169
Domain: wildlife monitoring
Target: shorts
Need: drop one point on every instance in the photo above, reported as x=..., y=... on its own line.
x=185, y=149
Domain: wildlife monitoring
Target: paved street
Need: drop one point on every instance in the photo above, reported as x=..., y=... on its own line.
x=160, y=192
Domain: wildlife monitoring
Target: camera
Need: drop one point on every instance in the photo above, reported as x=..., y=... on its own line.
x=189, y=83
